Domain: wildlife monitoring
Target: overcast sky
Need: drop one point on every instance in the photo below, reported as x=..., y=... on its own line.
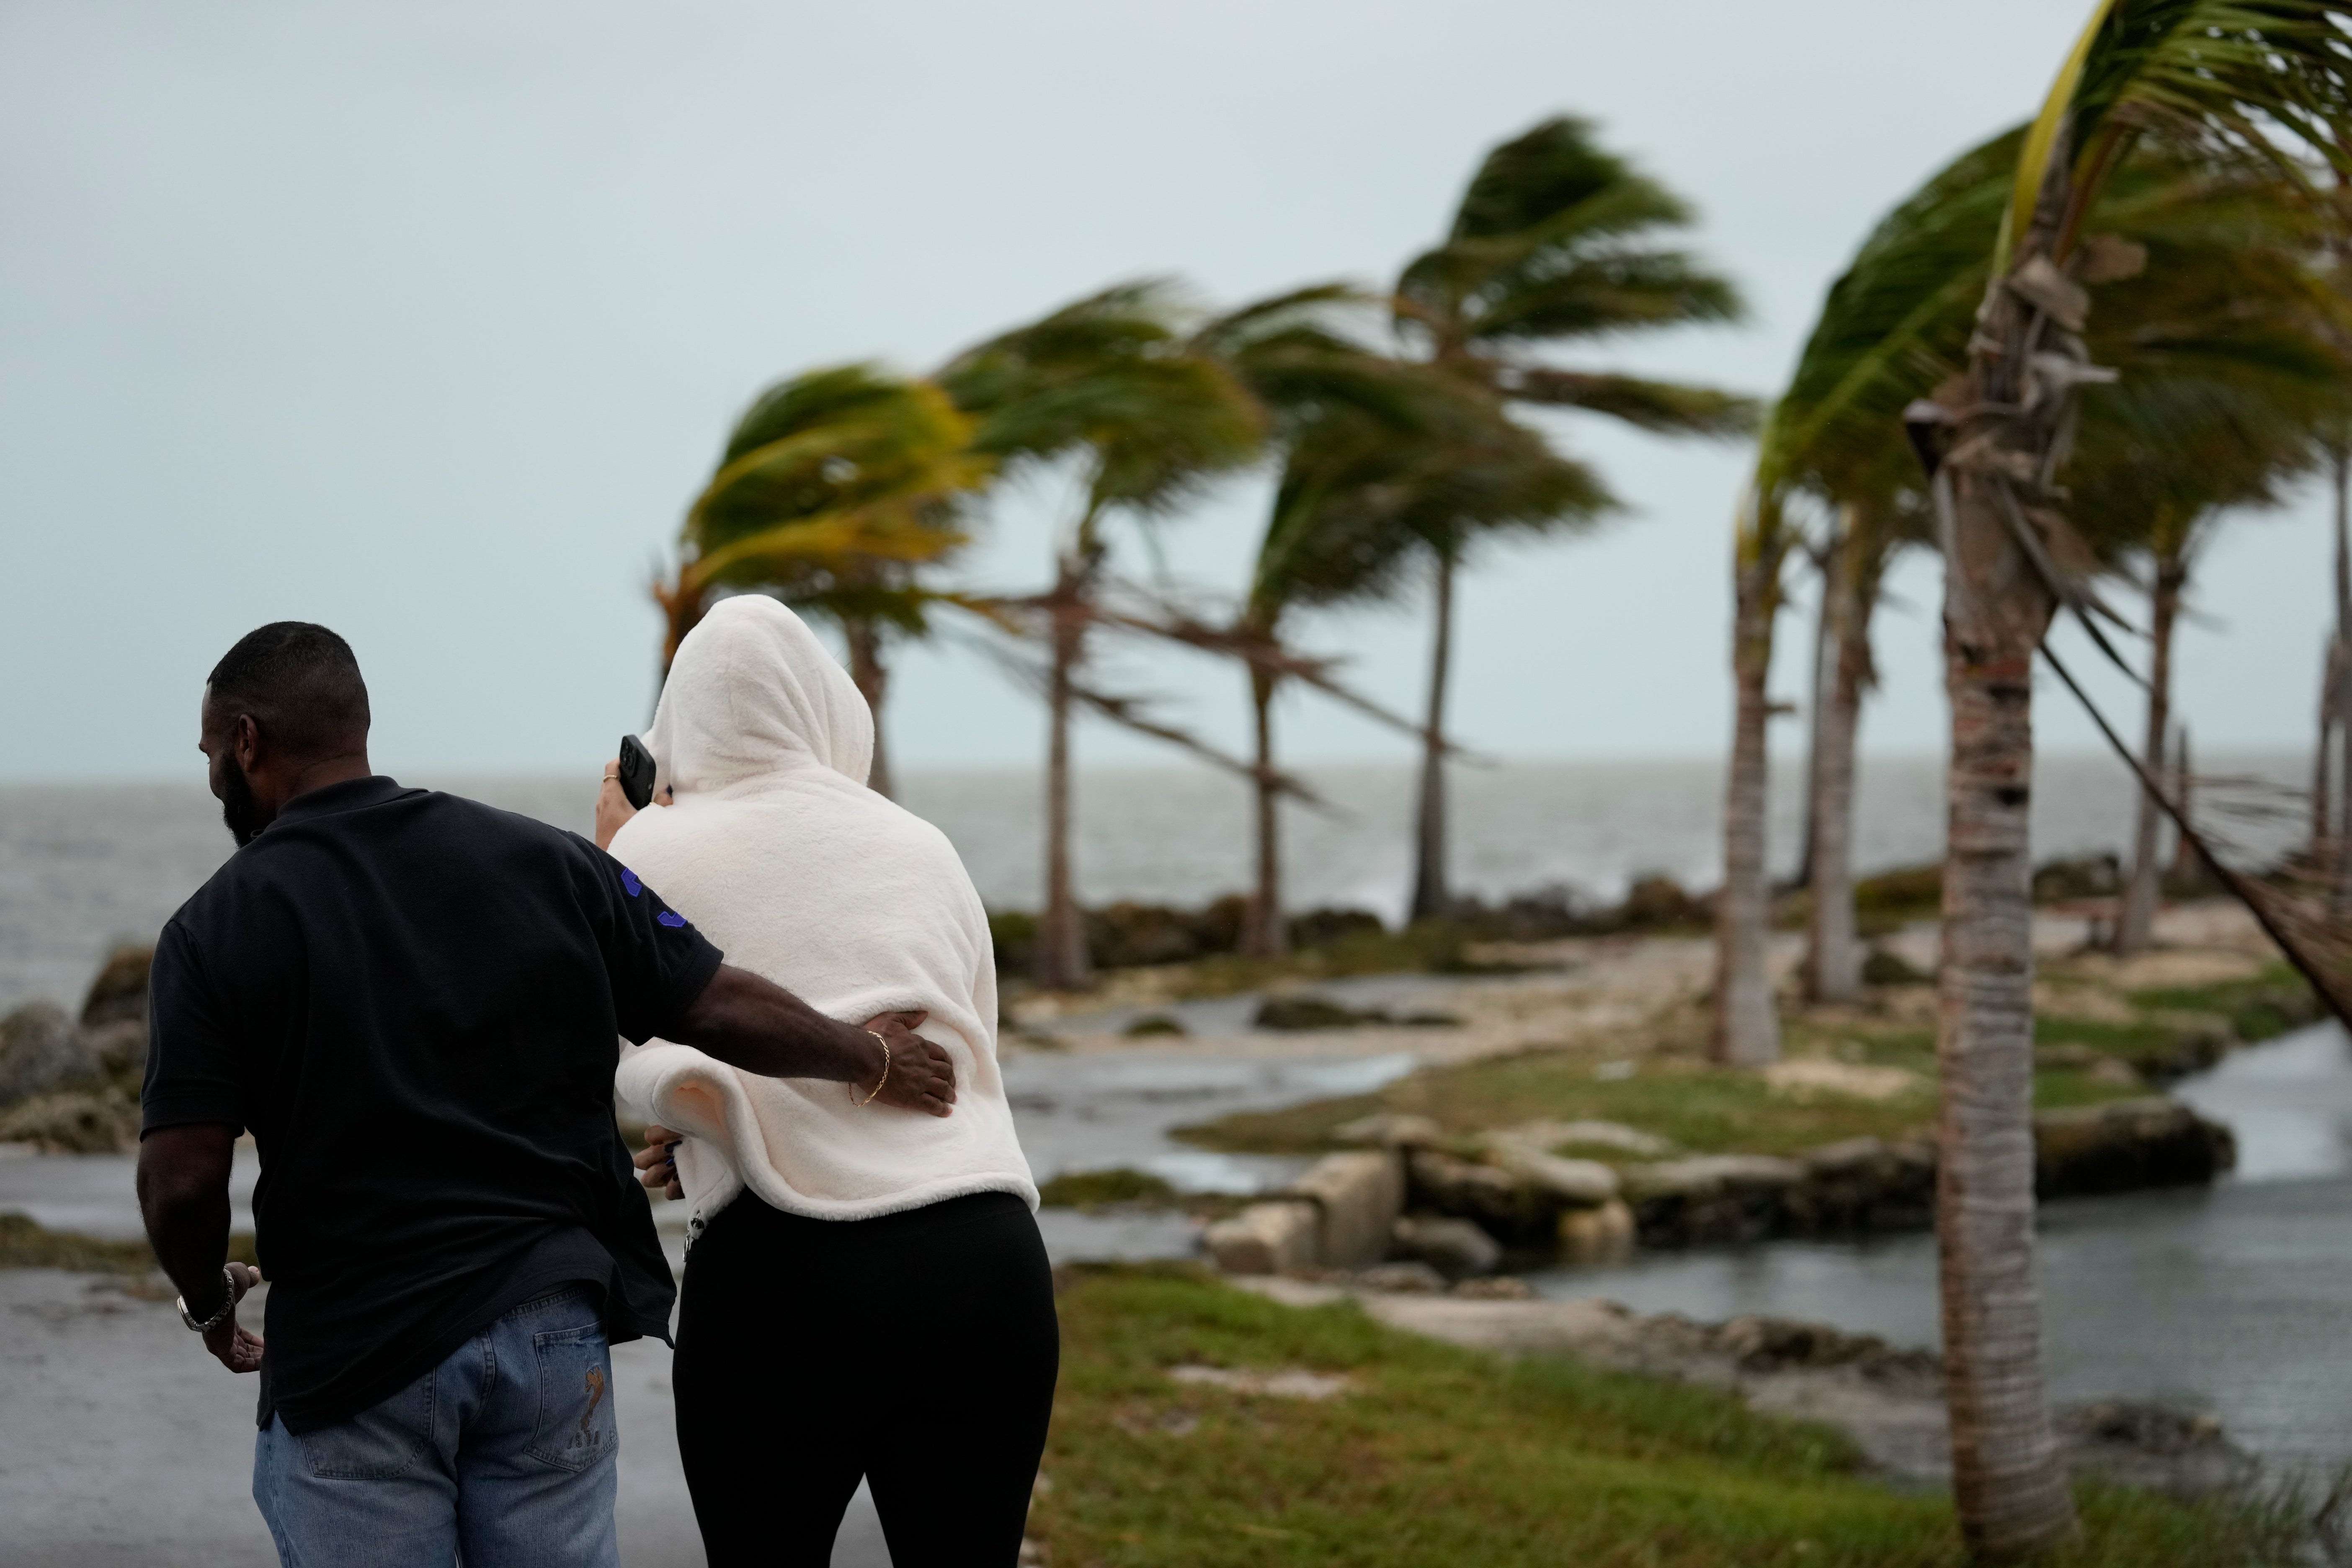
x=425, y=321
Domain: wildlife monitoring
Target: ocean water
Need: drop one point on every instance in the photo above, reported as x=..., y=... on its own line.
x=83, y=866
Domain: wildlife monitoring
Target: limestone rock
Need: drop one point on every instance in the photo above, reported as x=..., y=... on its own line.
x=41, y=1050
x=1455, y=1247
x=1573, y=1184
x=119, y=994
x=1711, y=1197
x=1265, y=1238
x=2127, y=1145
x=1388, y=1129
x=1359, y=1196
x=1471, y=1191
x=1600, y=1235
x=1401, y=1278
x=73, y=1121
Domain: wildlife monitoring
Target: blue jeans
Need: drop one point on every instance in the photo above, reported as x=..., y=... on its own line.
x=502, y=1456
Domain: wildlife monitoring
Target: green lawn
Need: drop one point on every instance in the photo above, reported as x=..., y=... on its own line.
x=1441, y=1457
x=1698, y=1107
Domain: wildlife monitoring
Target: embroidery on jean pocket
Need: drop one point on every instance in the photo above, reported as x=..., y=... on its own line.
x=575, y=1427
x=378, y=1443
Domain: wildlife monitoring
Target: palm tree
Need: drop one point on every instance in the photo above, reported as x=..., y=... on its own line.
x=1328, y=393
x=1554, y=241
x=2257, y=82
x=2234, y=374
x=1893, y=324
x=834, y=486
x=1388, y=463
x=1113, y=382
x=1867, y=535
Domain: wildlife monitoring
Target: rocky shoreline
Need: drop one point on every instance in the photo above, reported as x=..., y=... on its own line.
x=1888, y=1399
x=1413, y=1193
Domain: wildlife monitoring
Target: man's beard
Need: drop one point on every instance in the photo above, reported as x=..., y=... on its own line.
x=239, y=812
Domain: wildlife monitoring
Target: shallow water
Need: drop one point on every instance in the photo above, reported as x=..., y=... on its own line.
x=2236, y=1299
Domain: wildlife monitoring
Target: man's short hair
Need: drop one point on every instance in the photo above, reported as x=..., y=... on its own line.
x=301, y=684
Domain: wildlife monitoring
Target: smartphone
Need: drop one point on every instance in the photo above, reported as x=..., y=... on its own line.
x=636, y=773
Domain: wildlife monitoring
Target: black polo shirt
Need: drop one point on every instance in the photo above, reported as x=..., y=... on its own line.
x=412, y=1000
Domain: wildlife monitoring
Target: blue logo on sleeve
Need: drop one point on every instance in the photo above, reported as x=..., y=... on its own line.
x=671, y=919
x=629, y=881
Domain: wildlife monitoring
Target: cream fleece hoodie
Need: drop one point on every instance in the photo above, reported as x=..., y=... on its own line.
x=778, y=851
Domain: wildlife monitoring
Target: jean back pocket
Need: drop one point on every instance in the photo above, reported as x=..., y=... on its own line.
x=575, y=1427
x=378, y=1443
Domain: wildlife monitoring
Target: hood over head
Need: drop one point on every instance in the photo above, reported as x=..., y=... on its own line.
x=752, y=692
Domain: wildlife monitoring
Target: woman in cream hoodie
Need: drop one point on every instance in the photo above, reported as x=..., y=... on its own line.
x=827, y=1230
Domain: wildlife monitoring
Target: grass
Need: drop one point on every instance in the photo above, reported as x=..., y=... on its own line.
x=25, y=1245
x=1698, y=1107
x=2259, y=1007
x=1442, y=1456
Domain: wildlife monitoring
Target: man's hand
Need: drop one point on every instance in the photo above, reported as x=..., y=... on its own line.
x=236, y=1347
x=921, y=1076
x=656, y=1162
x=753, y=1024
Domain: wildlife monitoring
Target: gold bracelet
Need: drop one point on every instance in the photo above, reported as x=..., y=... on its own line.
x=878, y=1082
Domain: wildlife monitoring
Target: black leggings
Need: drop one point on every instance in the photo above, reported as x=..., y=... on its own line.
x=917, y=1350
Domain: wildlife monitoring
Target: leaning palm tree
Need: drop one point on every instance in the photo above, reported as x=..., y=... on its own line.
x=2260, y=83
x=1389, y=464
x=833, y=487
x=1326, y=388
x=1894, y=324
x=1555, y=241
x=1111, y=382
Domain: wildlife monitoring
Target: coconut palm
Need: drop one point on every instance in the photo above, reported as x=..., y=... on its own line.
x=1307, y=359
x=2234, y=374
x=1555, y=241
x=833, y=487
x=1112, y=383
x=1893, y=326
x=2260, y=82
x=1390, y=464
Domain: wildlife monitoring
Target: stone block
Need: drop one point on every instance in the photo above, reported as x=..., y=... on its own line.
x=1359, y=1196
x=1596, y=1235
x=1554, y=1178
x=1455, y=1247
x=1265, y=1238
x=2127, y=1145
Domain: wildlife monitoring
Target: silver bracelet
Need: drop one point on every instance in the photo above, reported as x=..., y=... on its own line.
x=229, y=1305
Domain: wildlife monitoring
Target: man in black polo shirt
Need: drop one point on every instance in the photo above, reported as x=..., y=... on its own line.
x=412, y=1001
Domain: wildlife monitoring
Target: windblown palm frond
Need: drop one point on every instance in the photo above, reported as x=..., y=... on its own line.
x=831, y=485
x=2267, y=81
x=1111, y=376
x=1554, y=241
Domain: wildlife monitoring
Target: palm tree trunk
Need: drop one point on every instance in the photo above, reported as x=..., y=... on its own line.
x=2136, y=921
x=2009, y=1484
x=1263, y=935
x=2340, y=690
x=1747, y=1025
x=1817, y=709
x=873, y=680
x=1833, y=957
x=1062, y=963
x=2184, y=863
x=1430, y=898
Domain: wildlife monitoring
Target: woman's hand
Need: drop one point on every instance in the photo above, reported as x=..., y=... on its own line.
x=656, y=1162
x=612, y=807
